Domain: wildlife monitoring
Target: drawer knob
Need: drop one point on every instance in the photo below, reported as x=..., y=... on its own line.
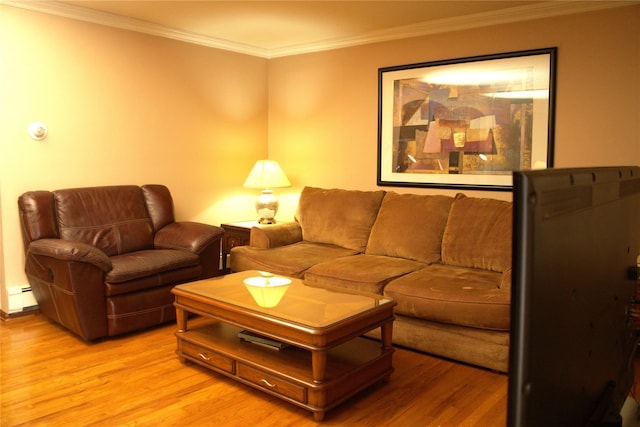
x=204, y=357
x=268, y=383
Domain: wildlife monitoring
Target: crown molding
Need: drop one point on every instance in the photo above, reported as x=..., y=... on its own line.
x=504, y=16
x=99, y=17
x=485, y=19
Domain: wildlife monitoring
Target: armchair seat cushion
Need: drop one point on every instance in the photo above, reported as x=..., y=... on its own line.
x=149, y=264
x=363, y=273
x=138, y=264
x=453, y=295
x=291, y=260
x=181, y=275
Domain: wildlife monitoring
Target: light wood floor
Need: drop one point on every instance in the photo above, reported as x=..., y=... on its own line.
x=50, y=377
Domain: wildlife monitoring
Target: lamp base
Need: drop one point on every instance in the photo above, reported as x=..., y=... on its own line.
x=267, y=206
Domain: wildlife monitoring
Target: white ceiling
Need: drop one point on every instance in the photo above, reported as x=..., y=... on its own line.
x=279, y=28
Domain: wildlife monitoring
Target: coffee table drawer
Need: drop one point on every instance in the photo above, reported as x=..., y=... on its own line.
x=270, y=382
x=207, y=356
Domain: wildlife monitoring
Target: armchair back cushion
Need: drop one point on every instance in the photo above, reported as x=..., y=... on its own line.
x=338, y=217
x=113, y=219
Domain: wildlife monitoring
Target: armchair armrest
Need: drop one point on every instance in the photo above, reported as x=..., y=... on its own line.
x=275, y=235
x=66, y=250
x=191, y=236
x=67, y=279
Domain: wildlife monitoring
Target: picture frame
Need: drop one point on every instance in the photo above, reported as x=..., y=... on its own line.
x=466, y=123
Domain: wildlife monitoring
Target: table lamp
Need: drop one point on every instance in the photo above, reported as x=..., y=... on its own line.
x=265, y=175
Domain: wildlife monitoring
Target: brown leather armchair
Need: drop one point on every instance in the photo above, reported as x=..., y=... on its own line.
x=102, y=261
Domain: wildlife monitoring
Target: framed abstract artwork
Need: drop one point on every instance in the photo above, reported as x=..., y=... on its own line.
x=466, y=122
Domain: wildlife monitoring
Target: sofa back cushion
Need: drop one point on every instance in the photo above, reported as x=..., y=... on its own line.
x=478, y=234
x=113, y=219
x=410, y=226
x=338, y=217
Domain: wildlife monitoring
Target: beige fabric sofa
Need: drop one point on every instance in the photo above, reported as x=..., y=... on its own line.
x=446, y=261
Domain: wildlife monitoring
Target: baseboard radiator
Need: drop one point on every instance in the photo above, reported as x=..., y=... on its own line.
x=21, y=299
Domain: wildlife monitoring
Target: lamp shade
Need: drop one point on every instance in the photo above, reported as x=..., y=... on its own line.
x=267, y=291
x=266, y=174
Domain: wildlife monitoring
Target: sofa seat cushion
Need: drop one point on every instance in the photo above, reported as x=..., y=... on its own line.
x=410, y=226
x=141, y=264
x=453, y=295
x=338, y=217
x=362, y=273
x=290, y=260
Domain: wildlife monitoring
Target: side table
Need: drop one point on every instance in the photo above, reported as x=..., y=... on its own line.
x=235, y=234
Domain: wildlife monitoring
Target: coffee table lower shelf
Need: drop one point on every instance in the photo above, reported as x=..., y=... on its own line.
x=287, y=373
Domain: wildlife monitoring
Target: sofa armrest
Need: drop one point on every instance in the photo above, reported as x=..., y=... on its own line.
x=66, y=250
x=275, y=235
x=191, y=236
x=505, y=280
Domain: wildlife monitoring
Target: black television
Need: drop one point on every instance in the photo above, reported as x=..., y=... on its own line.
x=576, y=239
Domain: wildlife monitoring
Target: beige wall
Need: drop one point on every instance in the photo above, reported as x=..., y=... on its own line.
x=130, y=108
x=124, y=108
x=323, y=106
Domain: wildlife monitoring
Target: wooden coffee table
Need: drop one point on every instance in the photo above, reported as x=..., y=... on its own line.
x=326, y=360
